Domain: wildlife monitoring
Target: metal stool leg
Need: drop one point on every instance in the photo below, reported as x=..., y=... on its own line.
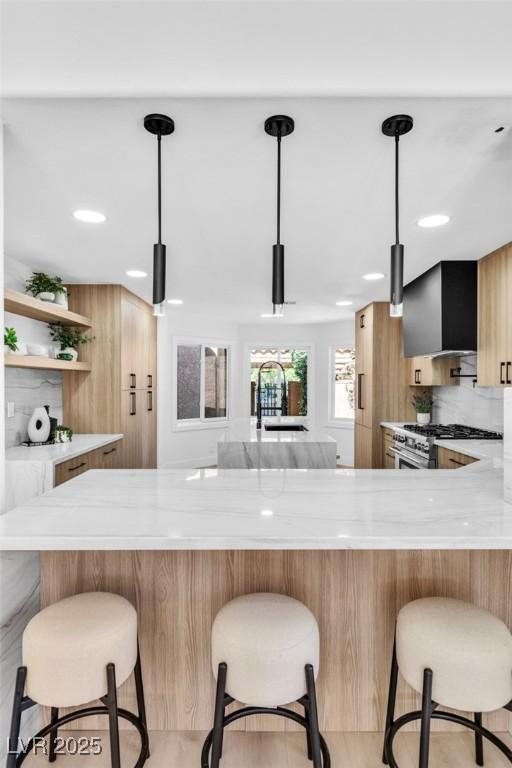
x=390, y=713
x=479, y=742
x=426, y=712
x=53, y=736
x=314, y=731
x=139, y=688
x=308, y=736
x=111, y=703
x=17, y=709
x=218, y=720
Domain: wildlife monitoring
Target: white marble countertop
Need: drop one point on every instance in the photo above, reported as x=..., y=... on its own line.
x=484, y=450
x=56, y=454
x=266, y=509
x=244, y=431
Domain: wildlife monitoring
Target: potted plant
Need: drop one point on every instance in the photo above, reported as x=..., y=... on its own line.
x=69, y=340
x=61, y=293
x=10, y=341
x=423, y=404
x=63, y=434
x=46, y=288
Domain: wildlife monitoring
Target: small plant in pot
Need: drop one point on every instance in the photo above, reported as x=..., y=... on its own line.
x=46, y=288
x=10, y=341
x=423, y=404
x=69, y=340
x=63, y=434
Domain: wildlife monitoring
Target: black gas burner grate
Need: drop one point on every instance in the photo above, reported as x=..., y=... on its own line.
x=452, y=432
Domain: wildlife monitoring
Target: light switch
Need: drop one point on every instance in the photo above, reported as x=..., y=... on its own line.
x=10, y=410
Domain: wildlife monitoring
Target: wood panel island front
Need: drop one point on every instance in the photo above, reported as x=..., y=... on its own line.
x=353, y=545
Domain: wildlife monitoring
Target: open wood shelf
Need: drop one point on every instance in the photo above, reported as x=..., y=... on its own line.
x=27, y=306
x=48, y=363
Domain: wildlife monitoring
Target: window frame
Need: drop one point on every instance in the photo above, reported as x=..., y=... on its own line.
x=341, y=422
x=189, y=425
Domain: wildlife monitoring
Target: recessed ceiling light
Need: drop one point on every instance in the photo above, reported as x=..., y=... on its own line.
x=373, y=276
x=343, y=303
x=175, y=301
x=270, y=314
x=90, y=217
x=436, y=220
x=136, y=273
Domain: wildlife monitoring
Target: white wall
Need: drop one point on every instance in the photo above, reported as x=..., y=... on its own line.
x=191, y=447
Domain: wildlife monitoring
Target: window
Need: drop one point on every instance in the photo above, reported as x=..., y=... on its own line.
x=284, y=390
x=343, y=365
x=201, y=382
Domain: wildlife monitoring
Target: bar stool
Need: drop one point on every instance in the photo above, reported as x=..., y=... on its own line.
x=456, y=655
x=74, y=652
x=265, y=653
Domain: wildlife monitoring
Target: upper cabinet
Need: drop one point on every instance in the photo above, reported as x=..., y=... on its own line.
x=495, y=318
x=138, y=351
x=432, y=371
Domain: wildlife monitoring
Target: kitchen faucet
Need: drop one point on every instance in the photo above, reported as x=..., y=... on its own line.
x=284, y=405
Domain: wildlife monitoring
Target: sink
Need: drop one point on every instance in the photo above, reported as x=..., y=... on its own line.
x=286, y=428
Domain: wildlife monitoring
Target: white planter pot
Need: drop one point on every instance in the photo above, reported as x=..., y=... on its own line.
x=423, y=418
x=70, y=351
x=38, y=427
x=61, y=437
x=61, y=298
x=46, y=296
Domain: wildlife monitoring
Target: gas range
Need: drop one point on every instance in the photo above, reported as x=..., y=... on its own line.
x=414, y=448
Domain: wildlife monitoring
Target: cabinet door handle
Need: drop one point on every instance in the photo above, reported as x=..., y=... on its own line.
x=361, y=321
x=150, y=380
x=107, y=453
x=417, y=376
x=133, y=403
x=360, y=391
x=459, y=463
x=150, y=401
x=502, y=373
x=78, y=466
x=508, y=373
x=133, y=381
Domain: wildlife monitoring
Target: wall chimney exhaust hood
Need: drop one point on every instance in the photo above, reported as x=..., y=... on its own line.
x=440, y=311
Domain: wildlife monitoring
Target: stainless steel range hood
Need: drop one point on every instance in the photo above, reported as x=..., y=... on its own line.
x=440, y=311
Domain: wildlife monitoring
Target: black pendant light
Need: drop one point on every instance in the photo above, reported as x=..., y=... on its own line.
x=397, y=126
x=278, y=126
x=159, y=125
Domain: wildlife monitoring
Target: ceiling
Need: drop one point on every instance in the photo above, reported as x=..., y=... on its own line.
x=219, y=194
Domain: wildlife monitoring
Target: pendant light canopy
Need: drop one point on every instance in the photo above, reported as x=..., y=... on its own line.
x=397, y=126
x=278, y=126
x=159, y=125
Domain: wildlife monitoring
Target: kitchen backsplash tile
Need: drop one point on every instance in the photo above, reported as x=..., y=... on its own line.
x=28, y=389
x=464, y=404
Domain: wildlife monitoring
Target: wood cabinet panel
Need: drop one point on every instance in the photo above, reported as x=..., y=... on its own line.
x=364, y=366
x=494, y=318
x=363, y=437
x=447, y=459
x=108, y=456
x=432, y=372
x=67, y=470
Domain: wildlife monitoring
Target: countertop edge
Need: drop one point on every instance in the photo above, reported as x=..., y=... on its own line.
x=75, y=450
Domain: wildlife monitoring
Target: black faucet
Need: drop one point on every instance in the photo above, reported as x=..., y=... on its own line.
x=284, y=405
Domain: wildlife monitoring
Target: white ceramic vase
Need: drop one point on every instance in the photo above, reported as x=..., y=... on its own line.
x=61, y=298
x=423, y=418
x=46, y=296
x=38, y=427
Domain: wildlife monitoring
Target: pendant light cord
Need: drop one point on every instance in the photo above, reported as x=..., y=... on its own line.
x=159, y=189
x=397, y=222
x=279, y=188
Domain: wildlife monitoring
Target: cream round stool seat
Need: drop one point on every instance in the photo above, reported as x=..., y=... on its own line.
x=467, y=648
x=265, y=654
x=67, y=646
x=266, y=640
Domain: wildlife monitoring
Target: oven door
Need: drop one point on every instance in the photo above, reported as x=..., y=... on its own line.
x=405, y=460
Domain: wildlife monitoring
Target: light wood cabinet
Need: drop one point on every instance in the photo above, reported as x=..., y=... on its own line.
x=382, y=392
x=432, y=372
x=105, y=457
x=447, y=459
x=388, y=458
x=495, y=318
x=119, y=394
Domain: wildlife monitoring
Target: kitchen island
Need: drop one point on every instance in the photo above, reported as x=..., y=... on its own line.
x=279, y=444
x=353, y=545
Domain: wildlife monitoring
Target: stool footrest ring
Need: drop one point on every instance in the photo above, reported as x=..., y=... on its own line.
x=247, y=712
x=440, y=715
x=87, y=712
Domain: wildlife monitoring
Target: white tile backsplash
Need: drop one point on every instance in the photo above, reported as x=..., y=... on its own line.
x=471, y=405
